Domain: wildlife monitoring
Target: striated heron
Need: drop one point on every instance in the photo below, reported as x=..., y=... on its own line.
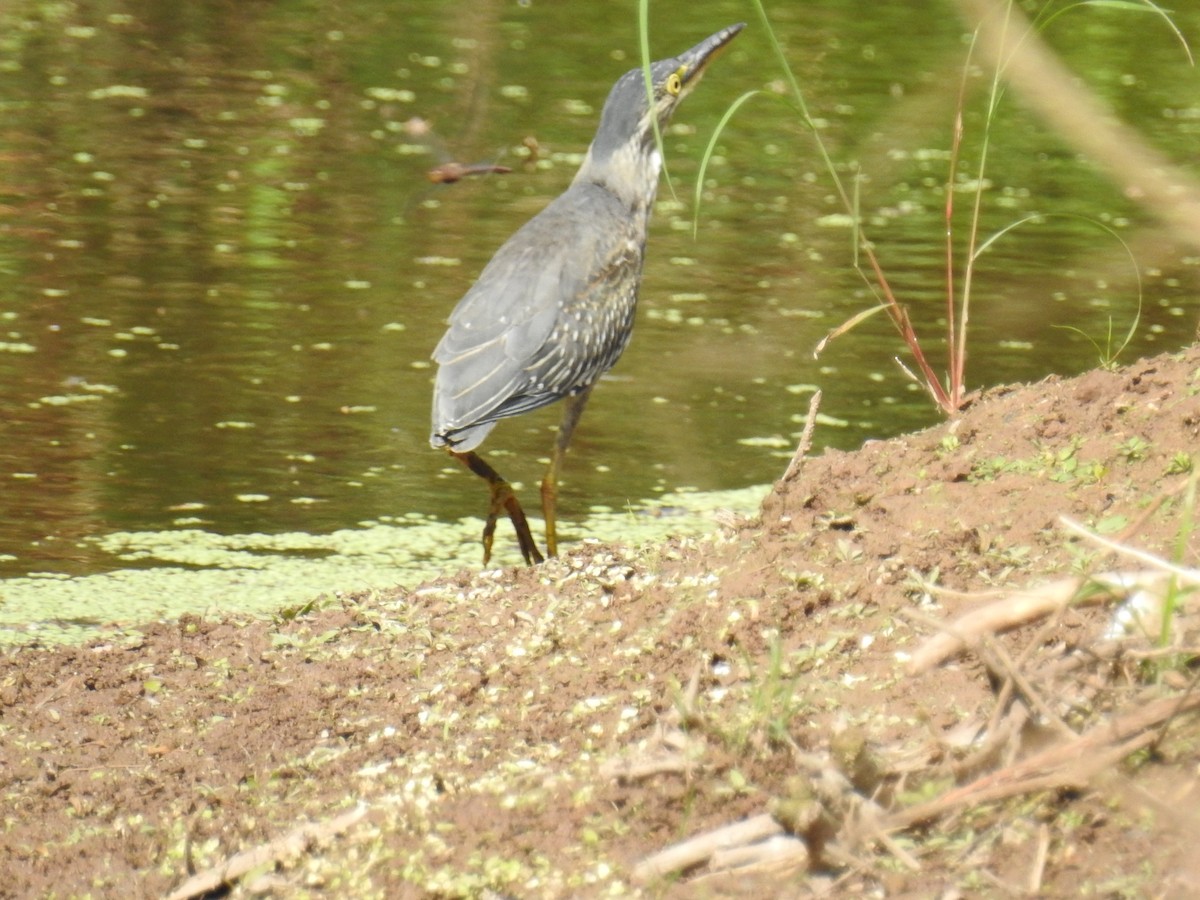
x=554, y=308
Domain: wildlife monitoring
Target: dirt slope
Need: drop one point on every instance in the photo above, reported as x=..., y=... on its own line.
x=541, y=733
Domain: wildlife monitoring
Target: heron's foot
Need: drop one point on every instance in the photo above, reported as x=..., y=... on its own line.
x=505, y=501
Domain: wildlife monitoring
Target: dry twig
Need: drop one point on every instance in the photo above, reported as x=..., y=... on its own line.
x=1069, y=763
x=1012, y=672
x=1038, y=872
x=694, y=851
x=1008, y=612
x=294, y=843
x=810, y=422
x=1187, y=576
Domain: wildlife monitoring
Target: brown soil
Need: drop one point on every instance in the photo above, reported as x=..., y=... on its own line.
x=538, y=733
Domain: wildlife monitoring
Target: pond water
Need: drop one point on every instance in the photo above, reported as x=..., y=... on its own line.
x=223, y=269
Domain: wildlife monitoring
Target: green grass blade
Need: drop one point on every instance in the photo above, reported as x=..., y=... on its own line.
x=708, y=152
x=849, y=325
x=1137, y=6
x=644, y=48
x=1107, y=353
x=781, y=57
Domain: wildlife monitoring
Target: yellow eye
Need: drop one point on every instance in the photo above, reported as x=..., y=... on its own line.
x=674, y=84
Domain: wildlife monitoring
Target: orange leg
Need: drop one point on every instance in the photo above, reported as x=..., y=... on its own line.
x=571, y=414
x=502, y=500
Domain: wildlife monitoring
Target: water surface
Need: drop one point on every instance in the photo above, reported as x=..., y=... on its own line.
x=223, y=269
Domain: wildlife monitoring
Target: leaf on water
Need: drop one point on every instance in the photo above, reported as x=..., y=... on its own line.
x=119, y=90
x=774, y=441
x=837, y=220
x=67, y=399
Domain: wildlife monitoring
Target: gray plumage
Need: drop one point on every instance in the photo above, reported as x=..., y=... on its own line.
x=554, y=309
x=539, y=322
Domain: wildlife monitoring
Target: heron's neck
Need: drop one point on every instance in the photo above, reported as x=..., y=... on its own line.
x=629, y=173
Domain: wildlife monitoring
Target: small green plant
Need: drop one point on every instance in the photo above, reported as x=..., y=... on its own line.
x=848, y=551
x=1134, y=449
x=292, y=613
x=763, y=716
x=1180, y=464
x=1108, y=350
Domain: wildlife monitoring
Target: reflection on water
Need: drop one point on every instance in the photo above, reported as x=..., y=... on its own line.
x=223, y=267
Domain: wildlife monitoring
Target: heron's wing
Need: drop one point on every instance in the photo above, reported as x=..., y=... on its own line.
x=506, y=335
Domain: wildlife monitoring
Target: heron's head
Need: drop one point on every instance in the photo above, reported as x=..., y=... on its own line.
x=627, y=122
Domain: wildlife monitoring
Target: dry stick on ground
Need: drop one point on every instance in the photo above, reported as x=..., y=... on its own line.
x=1003, y=733
x=1018, y=680
x=781, y=853
x=1162, y=653
x=1066, y=764
x=1024, y=606
x=58, y=690
x=1038, y=871
x=761, y=843
x=1188, y=576
x=1007, y=718
x=810, y=422
x=641, y=768
x=670, y=754
x=670, y=750
x=693, y=852
x=1003, y=663
x=1013, y=610
x=294, y=843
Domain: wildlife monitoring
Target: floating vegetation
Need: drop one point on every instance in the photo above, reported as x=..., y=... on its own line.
x=92, y=392
x=306, y=126
x=127, y=91
x=165, y=574
x=391, y=95
x=773, y=442
x=836, y=220
x=65, y=399
x=577, y=107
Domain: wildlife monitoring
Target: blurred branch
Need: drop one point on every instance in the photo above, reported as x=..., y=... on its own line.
x=1007, y=39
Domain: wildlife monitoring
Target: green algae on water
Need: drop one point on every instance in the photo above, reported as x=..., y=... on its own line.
x=165, y=574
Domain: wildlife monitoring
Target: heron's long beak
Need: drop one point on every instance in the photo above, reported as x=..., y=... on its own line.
x=695, y=61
